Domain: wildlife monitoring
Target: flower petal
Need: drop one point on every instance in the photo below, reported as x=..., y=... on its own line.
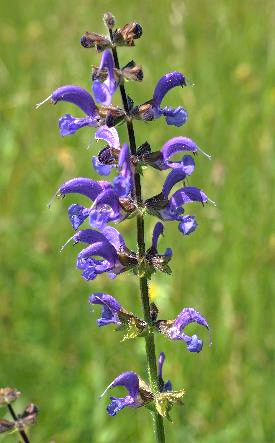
x=175, y=116
x=101, y=168
x=187, y=316
x=114, y=237
x=179, y=144
x=110, y=308
x=77, y=214
x=129, y=380
x=188, y=194
x=68, y=124
x=158, y=230
x=117, y=404
x=123, y=183
x=92, y=267
x=85, y=186
x=160, y=364
x=106, y=208
x=172, y=178
x=77, y=96
x=103, y=91
x=167, y=82
x=188, y=224
x=89, y=236
x=195, y=344
x=110, y=135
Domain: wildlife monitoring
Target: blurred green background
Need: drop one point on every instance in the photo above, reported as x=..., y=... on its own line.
x=51, y=349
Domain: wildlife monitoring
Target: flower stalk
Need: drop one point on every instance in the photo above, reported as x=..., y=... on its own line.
x=21, y=431
x=143, y=281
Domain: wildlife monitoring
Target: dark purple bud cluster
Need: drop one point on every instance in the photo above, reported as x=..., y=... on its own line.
x=119, y=199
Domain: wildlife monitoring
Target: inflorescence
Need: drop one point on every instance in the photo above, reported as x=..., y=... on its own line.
x=117, y=200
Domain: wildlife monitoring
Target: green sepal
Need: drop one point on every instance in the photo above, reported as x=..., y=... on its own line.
x=165, y=400
x=133, y=330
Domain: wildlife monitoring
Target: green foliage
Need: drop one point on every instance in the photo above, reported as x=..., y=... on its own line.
x=51, y=348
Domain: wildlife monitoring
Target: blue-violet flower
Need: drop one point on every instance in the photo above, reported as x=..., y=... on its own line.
x=109, y=245
x=170, y=209
x=103, y=91
x=152, y=109
x=173, y=329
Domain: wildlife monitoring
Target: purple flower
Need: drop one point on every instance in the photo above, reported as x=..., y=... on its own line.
x=109, y=200
x=170, y=209
x=87, y=187
x=164, y=387
x=152, y=110
x=138, y=393
x=113, y=312
x=78, y=96
x=107, y=158
x=155, y=260
x=110, y=308
x=103, y=91
x=174, y=329
x=123, y=183
x=161, y=160
x=109, y=245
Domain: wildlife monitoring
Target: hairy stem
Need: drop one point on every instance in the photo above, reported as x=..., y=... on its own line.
x=143, y=282
x=14, y=416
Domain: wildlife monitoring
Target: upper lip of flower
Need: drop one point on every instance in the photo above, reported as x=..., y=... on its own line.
x=165, y=83
x=103, y=91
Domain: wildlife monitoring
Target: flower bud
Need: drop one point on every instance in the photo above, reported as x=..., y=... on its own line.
x=127, y=204
x=133, y=72
x=28, y=416
x=144, y=112
x=143, y=149
x=126, y=35
x=153, y=311
x=156, y=202
x=109, y=20
x=6, y=425
x=114, y=116
x=93, y=40
x=107, y=156
x=8, y=395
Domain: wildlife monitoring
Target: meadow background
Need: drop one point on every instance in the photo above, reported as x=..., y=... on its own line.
x=51, y=349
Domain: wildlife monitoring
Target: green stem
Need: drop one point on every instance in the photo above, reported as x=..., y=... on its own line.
x=143, y=282
x=14, y=416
